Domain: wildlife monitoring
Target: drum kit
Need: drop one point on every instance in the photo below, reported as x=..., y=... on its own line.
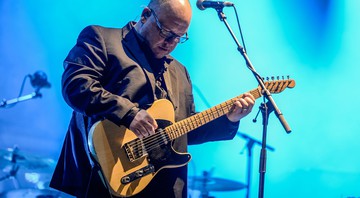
x=201, y=186
x=25, y=175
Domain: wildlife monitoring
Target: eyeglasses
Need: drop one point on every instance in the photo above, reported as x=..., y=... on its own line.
x=169, y=35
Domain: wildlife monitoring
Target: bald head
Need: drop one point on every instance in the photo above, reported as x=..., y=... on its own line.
x=163, y=23
x=176, y=9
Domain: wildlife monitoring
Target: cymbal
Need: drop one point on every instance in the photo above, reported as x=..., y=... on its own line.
x=12, y=156
x=214, y=184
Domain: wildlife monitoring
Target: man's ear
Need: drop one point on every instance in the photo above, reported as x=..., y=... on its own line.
x=146, y=13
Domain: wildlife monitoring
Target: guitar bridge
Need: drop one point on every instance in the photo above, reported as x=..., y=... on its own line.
x=135, y=149
x=138, y=174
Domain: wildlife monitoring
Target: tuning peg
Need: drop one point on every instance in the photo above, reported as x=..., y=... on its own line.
x=288, y=77
x=272, y=77
x=267, y=78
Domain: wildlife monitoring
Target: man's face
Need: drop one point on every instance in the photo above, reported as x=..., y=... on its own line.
x=161, y=22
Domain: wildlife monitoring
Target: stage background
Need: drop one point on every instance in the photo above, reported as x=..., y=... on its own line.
x=315, y=42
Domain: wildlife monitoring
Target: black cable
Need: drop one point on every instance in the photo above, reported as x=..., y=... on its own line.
x=21, y=90
x=23, y=84
x=239, y=26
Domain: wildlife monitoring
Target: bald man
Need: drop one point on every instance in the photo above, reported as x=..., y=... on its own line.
x=116, y=75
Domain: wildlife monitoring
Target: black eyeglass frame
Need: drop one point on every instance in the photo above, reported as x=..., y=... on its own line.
x=169, y=35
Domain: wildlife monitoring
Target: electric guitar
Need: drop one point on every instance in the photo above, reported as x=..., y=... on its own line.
x=128, y=163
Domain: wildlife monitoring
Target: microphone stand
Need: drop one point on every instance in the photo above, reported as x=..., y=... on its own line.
x=266, y=95
x=5, y=103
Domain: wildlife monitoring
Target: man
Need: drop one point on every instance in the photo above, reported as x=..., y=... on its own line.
x=116, y=74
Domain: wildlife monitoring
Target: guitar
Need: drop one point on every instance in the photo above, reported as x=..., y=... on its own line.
x=128, y=163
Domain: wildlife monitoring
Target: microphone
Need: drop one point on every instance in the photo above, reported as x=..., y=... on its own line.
x=39, y=80
x=203, y=4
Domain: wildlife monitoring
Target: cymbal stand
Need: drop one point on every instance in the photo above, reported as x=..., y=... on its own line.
x=204, y=192
x=249, y=145
x=12, y=173
x=14, y=169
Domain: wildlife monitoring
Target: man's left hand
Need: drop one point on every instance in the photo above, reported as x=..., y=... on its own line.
x=241, y=108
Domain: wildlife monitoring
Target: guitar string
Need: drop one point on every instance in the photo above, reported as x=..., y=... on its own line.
x=196, y=119
x=151, y=142
x=155, y=140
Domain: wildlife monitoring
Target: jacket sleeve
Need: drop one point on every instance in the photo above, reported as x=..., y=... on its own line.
x=219, y=129
x=82, y=81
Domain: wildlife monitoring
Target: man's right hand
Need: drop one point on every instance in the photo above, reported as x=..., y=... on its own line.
x=143, y=124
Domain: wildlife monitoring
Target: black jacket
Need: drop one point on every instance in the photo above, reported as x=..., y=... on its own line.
x=107, y=75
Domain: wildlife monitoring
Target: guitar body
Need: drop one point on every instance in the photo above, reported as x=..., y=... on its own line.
x=126, y=169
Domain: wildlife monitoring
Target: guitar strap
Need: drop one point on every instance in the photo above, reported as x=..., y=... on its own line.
x=95, y=175
x=160, y=88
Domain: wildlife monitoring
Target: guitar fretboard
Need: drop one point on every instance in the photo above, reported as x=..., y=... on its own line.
x=184, y=126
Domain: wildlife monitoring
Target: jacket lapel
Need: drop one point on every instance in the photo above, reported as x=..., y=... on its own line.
x=130, y=42
x=169, y=77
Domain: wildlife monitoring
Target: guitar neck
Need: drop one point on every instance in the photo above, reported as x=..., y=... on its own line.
x=184, y=126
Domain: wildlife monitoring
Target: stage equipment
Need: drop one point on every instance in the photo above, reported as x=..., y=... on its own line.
x=26, y=175
x=206, y=183
x=266, y=107
x=38, y=80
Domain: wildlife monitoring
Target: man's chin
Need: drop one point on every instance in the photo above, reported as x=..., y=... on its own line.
x=160, y=55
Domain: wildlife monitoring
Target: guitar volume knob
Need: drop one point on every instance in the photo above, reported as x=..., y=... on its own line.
x=139, y=173
x=125, y=180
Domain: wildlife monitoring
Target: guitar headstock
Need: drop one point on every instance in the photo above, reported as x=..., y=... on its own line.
x=277, y=86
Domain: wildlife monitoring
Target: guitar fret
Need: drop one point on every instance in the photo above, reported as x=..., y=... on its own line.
x=192, y=121
x=189, y=125
x=178, y=129
x=208, y=115
x=203, y=117
x=196, y=118
x=181, y=131
x=221, y=108
x=215, y=113
x=171, y=131
x=183, y=127
x=255, y=93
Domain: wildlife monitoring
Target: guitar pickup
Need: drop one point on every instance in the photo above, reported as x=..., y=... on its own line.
x=138, y=174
